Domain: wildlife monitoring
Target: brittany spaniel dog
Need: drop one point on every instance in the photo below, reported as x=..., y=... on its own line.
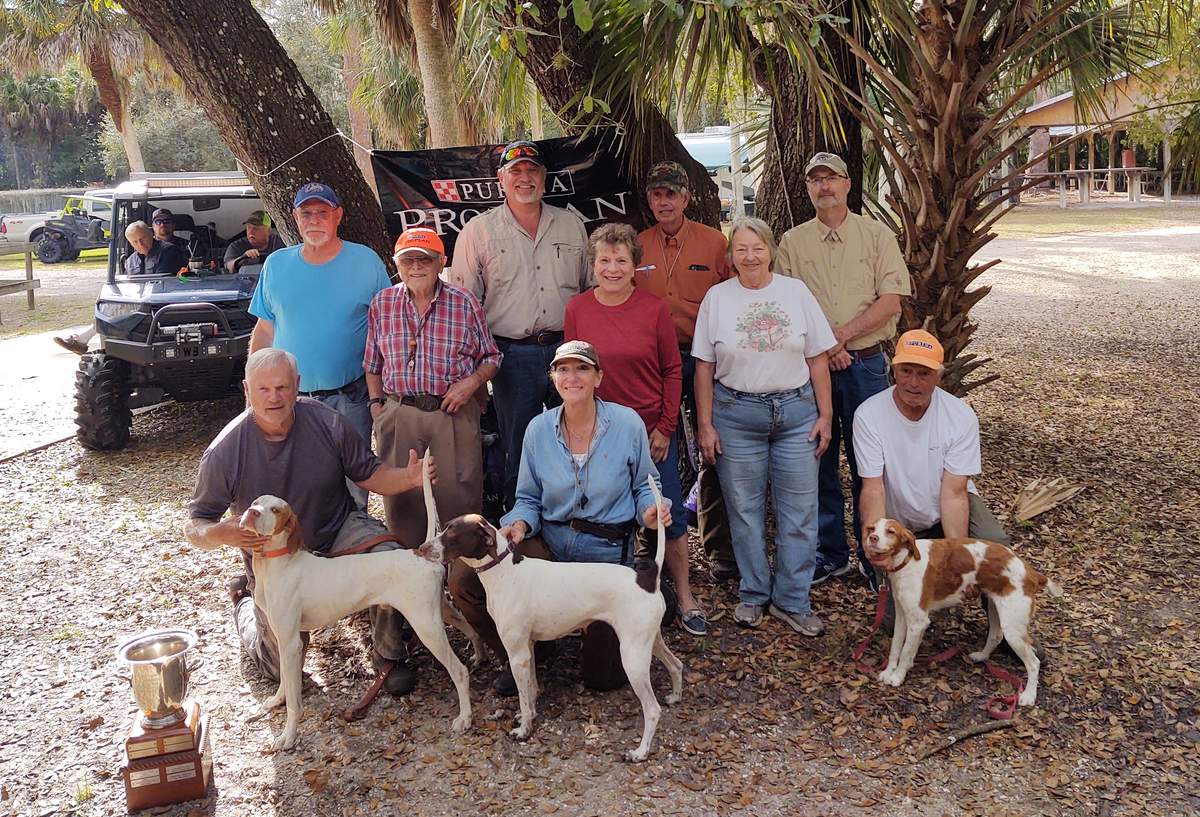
x=932, y=574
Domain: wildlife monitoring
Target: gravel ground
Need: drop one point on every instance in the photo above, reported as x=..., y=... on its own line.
x=1096, y=340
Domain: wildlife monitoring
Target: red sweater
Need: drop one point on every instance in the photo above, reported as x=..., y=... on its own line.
x=639, y=354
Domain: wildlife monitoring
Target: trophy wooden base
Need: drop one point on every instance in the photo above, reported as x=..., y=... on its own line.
x=158, y=778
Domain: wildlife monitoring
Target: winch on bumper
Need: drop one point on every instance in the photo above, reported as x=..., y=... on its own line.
x=193, y=342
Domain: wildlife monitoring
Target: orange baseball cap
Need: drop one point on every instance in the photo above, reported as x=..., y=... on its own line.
x=919, y=347
x=420, y=239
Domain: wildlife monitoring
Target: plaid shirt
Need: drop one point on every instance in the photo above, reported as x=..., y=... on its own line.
x=426, y=354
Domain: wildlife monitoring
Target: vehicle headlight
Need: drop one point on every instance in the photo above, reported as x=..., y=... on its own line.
x=116, y=309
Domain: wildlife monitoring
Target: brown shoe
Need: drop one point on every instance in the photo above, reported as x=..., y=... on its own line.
x=72, y=344
x=238, y=588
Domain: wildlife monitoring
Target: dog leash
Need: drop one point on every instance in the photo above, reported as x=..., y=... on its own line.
x=1001, y=707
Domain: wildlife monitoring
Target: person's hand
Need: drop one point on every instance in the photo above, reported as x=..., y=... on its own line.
x=710, y=444
x=375, y=409
x=414, y=466
x=659, y=445
x=457, y=395
x=822, y=433
x=230, y=532
x=839, y=358
x=515, y=533
x=655, y=513
x=252, y=253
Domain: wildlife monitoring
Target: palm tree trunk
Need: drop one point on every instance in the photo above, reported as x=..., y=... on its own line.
x=360, y=121
x=263, y=109
x=433, y=58
x=117, y=103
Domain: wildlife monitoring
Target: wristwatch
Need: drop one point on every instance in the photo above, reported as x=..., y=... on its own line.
x=374, y=400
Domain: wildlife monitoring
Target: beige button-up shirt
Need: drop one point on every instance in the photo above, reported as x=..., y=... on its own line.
x=523, y=281
x=847, y=269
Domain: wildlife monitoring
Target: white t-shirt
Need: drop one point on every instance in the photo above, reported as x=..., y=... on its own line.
x=911, y=456
x=759, y=338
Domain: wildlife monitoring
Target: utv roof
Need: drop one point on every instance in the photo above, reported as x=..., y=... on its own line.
x=149, y=186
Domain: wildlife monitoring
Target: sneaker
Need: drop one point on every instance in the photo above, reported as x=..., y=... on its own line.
x=722, y=570
x=824, y=571
x=809, y=625
x=694, y=622
x=867, y=571
x=72, y=344
x=748, y=615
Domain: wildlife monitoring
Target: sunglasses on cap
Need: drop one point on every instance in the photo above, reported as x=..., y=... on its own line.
x=520, y=152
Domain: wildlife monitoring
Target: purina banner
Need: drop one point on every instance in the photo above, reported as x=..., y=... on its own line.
x=446, y=188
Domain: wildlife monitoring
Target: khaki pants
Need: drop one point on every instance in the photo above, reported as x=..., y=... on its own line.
x=600, y=665
x=453, y=439
x=981, y=524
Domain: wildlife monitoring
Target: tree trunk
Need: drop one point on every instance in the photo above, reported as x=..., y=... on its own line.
x=433, y=57
x=360, y=121
x=263, y=109
x=117, y=102
x=649, y=137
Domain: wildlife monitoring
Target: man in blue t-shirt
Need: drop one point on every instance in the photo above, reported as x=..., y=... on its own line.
x=312, y=300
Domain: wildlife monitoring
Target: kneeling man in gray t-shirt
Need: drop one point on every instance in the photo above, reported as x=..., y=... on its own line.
x=301, y=451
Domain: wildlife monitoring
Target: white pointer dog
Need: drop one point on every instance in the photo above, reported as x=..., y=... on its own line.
x=539, y=600
x=932, y=574
x=302, y=592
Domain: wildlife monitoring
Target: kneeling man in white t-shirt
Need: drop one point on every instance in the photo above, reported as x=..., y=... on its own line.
x=917, y=447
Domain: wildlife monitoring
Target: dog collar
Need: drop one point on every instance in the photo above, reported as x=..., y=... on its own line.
x=500, y=558
x=271, y=554
x=906, y=560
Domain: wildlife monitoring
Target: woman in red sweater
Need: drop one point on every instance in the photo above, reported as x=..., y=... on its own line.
x=634, y=336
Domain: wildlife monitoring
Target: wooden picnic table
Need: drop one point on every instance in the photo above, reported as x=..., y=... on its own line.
x=27, y=284
x=1133, y=181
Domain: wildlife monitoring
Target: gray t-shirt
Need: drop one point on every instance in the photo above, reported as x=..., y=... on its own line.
x=237, y=248
x=308, y=469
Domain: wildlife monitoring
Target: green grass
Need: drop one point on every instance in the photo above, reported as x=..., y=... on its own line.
x=57, y=312
x=87, y=258
x=1045, y=220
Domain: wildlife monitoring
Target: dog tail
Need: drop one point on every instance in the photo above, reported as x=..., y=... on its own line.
x=661, y=551
x=431, y=513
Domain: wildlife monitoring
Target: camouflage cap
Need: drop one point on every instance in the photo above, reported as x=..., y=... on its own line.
x=667, y=174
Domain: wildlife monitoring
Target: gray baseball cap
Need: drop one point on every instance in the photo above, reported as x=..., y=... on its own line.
x=829, y=160
x=577, y=350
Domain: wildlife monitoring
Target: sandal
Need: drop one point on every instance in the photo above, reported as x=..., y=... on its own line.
x=694, y=621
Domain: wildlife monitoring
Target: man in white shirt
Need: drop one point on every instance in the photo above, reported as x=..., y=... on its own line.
x=917, y=447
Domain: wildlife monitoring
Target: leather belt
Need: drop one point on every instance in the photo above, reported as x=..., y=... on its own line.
x=331, y=392
x=424, y=402
x=876, y=349
x=613, y=533
x=544, y=338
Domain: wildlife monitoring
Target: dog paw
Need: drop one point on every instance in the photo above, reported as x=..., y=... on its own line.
x=674, y=698
x=284, y=742
x=978, y=657
x=520, y=732
x=1027, y=697
x=637, y=755
x=893, y=679
x=461, y=724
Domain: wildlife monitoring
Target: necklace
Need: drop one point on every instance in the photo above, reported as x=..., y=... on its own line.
x=680, y=239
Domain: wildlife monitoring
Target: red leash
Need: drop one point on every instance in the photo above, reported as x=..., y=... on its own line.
x=1000, y=707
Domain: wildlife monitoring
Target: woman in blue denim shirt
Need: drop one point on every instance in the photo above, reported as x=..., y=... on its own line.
x=764, y=406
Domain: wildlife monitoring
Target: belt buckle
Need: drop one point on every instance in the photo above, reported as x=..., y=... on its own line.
x=543, y=338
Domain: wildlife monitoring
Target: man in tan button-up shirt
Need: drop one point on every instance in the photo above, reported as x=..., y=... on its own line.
x=854, y=268
x=523, y=260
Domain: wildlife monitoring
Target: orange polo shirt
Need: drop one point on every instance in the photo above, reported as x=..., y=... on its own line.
x=680, y=269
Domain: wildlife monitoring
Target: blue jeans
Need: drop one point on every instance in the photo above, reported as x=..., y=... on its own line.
x=764, y=438
x=570, y=545
x=521, y=390
x=865, y=377
x=352, y=404
x=672, y=488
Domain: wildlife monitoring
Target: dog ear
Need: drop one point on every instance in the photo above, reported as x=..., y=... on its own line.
x=295, y=539
x=905, y=539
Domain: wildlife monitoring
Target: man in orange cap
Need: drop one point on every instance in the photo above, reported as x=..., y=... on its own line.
x=917, y=447
x=428, y=353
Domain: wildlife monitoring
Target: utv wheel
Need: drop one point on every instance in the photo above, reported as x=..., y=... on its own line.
x=52, y=250
x=102, y=415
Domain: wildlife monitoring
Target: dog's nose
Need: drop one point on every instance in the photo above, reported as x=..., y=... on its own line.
x=873, y=538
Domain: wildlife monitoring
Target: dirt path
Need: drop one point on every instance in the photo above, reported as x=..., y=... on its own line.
x=1097, y=339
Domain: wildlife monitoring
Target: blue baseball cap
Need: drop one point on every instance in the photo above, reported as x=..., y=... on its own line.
x=316, y=190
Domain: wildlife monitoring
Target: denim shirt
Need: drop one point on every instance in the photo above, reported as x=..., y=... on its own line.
x=612, y=477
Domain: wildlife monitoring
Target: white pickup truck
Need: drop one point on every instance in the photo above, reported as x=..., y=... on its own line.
x=27, y=228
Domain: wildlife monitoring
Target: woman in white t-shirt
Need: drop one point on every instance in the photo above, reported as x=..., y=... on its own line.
x=764, y=406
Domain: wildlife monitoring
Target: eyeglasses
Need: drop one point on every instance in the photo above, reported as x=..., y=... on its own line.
x=520, y=152
x=817, y=181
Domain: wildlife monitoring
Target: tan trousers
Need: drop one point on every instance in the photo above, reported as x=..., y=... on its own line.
x=453, y=439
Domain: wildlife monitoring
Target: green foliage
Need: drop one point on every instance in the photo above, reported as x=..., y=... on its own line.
x=175, y=136
x=49, y=127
